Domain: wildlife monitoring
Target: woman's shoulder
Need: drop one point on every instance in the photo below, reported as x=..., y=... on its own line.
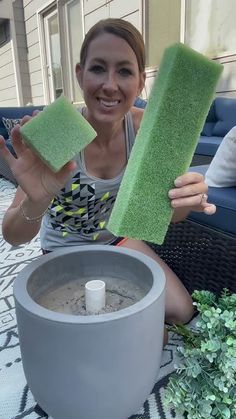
x=137, y=114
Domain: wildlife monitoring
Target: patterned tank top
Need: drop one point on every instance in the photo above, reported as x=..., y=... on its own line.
x=80, y=212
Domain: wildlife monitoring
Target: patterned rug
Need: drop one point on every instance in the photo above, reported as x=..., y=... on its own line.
x=16, y=400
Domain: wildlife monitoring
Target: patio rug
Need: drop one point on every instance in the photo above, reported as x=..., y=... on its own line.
x=16, y=399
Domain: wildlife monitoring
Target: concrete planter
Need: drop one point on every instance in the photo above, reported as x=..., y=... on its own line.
x=91, y=367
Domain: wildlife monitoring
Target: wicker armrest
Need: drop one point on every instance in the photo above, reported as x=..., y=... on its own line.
x=203, y=258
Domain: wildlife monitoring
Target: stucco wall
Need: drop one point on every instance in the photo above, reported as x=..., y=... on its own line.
x=227, y=83
x=210, y=29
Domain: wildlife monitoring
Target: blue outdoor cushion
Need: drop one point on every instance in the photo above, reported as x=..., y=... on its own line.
x=225, y=110
x=208, y=146
x=140, y=103
x=211, y=116
x=221, y=128
x=210, y=121
x=3, y=131
x=208, y=129
x=225, y=201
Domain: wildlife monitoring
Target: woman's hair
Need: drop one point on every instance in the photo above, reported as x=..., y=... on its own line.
x=121, y=28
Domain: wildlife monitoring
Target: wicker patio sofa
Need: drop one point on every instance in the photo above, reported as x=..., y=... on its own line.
x=203, y=257
x=202, y=249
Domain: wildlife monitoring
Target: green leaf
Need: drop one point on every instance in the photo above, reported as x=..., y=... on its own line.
x=205, y=386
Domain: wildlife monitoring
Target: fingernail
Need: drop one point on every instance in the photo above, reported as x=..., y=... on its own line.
x=178, y=182
x=171, y=193
x=208, y=210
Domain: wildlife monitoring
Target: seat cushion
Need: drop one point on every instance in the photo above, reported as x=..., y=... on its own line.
x=140, y=103
x=208, y=146
x=208, y=129
x=225, y=201
x=225, y=110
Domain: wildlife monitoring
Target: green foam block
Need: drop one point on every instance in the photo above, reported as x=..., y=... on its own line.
x=57, y=133
x=173, y=119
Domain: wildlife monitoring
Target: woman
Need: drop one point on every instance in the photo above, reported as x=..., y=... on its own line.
x=74, y=204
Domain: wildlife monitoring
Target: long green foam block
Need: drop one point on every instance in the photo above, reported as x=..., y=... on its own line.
x=173, y=119
x=57, y=133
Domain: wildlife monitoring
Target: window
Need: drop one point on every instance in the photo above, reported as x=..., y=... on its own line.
x=4, y=30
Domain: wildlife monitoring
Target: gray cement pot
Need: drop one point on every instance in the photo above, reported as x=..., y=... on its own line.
x=91, y=367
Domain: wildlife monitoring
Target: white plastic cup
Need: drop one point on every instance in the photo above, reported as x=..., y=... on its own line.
x=95, y=295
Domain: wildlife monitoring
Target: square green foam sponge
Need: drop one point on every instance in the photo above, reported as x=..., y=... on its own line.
x=57, y=133
x=172, y=122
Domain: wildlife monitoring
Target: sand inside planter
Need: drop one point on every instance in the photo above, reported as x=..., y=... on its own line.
x=69, y=298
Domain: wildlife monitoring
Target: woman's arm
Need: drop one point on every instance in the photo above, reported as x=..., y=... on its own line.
x=23, y=218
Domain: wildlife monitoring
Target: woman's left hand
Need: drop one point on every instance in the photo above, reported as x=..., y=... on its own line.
x=190, y=194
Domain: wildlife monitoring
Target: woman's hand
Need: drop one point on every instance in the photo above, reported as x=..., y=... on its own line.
x=36, y=179
x=190, y=194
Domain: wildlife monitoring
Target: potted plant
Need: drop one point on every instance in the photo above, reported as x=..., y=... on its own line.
x=204, y=384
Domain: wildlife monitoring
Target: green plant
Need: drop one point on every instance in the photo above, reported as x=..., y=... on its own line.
x=204, y=384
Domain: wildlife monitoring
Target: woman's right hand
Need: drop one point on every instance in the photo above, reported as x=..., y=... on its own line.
x=35, y=178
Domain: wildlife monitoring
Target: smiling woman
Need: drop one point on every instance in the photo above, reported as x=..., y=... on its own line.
x=79, y=198
x=109, y=83
x=112, y=76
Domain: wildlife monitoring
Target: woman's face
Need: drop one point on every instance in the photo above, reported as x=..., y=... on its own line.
x=110, y=79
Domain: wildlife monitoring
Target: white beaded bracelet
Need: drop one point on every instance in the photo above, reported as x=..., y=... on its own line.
x=31, y=219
